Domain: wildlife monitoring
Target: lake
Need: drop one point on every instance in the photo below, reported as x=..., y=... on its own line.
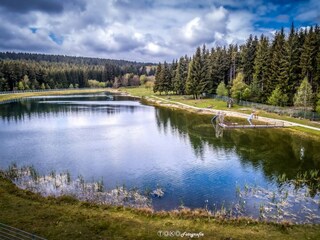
x=124, y=142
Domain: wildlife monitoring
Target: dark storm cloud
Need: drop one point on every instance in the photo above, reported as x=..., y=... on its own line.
x=45, y=6
x=24, y=40
x=49, y=6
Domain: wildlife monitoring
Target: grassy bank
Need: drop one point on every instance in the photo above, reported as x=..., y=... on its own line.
x=10, y=96
x=221, y=105
x=67, y=218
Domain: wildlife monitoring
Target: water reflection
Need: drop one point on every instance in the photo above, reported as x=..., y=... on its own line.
x=275, y=151
x=63, y=105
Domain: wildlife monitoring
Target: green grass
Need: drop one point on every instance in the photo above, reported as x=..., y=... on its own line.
x=138, y=91
x=67, y=218
x=221, y=105
x=10, y=96
x=201, y=103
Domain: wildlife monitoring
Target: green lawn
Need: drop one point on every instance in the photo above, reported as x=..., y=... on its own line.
x=138, y=91
x=67, y=218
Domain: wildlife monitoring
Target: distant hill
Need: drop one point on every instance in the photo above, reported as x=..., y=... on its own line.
x=24, y=71
x=38, y=57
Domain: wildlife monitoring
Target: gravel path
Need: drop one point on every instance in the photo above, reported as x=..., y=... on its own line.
x=170, y=103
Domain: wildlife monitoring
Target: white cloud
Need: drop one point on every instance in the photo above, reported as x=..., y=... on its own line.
x=142, y=30
x=202, y=29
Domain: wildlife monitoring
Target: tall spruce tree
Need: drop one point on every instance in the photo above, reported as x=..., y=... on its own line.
x=191, y=84
x=195, y=74
x=248, y=56
x=293, y=71
x=179, y=85
x=259, y=87
x=205, y=83
x=308, y=61
x=173, y=72
x=158, y=80
x=166, y=77
x=278, y=62
x=318, y=103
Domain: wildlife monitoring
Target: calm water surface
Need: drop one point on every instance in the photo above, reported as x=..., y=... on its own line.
x=126, y=142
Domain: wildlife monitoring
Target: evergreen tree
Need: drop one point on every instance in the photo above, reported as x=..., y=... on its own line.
x=318, y=103
x=195, y=74
x=238, y=87
x=278, y=61
x=173, y=73
x=248, y=57
x=166, y=78
x=20, y=86
x=278, y=98
x=222, y=90
x=205, y=81
x=308, y=56
x=303, y=96
x=259, y=87
x=43, y=87
x=293, y=71
x=191, y=84
x=181, y=76
x=158, y=81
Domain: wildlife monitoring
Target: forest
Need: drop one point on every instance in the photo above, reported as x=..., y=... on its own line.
x=24, y=71
x=282, y=71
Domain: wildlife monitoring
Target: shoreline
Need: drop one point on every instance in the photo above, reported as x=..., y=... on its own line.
x=160, y=102
x=67, y=218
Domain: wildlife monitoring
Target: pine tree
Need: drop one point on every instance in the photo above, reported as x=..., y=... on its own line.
x=191, y=84
x=278, y=55
x=222, y=90
x=303, y=96
x=204, y=86
x=158, y=81
x=195, y=74
x=278, y=98
x=248, y=57
x=259, y=86
x=308, y=58
x=238, y=87
x=20, y=86
x=173, y=73
x=166, y=78
x=213, y=70
x=181, y=76
x=318, y=103
x=293, y=70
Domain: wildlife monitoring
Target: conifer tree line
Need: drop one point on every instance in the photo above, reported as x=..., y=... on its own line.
x=261, y=70
x=23, y=71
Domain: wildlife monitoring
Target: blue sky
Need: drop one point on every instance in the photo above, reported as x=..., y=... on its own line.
x=143, y=30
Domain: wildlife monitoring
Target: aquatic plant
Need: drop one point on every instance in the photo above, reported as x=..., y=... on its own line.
x=57, y=185
x=288, y=204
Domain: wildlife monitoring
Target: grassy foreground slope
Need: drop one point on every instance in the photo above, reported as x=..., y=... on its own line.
x=66, y=218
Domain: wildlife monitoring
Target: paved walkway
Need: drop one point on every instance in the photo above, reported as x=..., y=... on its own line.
x=235, y=114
